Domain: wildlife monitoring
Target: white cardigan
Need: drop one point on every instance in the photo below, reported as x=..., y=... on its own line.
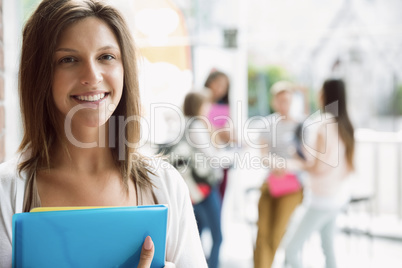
x=183, y=247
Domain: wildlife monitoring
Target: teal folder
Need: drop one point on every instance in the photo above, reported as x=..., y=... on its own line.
x=98, y=237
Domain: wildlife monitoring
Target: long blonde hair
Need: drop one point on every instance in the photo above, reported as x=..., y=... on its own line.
x=40, y=36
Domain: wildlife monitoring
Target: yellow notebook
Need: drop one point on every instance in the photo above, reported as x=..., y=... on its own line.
x=42, y=209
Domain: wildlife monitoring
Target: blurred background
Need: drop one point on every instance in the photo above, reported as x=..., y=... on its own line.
x=258, y=42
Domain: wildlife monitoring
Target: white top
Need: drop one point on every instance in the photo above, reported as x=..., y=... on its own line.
x=330, y=184
x=280, y=135
x=183, y=246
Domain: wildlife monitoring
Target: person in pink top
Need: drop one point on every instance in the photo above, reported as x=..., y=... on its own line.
x=218, y=84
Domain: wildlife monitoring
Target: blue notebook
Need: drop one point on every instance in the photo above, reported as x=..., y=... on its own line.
x=97, y=237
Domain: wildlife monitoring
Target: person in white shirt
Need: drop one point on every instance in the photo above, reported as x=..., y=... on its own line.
x=79, y=100
x=329, y=166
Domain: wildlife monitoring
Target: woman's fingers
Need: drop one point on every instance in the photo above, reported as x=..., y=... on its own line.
x=147, y=253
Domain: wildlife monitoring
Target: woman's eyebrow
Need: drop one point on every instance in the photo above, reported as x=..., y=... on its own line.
x=108, y=47
x=73, y=50
x=65, y=50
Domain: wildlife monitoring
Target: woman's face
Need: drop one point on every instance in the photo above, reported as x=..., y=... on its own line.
x=88, y=73
x=219, y=87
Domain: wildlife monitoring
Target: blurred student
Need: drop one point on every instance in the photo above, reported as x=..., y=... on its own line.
x=204, y=192
x=329, y=170
x=218, y=85
x=274, y=210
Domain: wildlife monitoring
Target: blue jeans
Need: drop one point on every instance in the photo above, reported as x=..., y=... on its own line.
x=208, y=215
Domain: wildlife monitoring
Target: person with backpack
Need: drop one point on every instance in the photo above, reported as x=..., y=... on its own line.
x=201, y=165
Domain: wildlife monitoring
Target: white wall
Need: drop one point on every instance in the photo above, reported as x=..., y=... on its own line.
x=12, y=39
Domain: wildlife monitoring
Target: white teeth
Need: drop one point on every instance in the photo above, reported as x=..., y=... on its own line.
x=91, y=97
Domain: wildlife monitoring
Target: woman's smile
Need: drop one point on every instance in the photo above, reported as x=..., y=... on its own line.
x=93, y=98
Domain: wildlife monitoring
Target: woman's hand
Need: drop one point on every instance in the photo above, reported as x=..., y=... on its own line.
x=147, y=254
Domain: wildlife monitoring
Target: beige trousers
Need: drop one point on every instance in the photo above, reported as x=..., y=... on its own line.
x=273, y=218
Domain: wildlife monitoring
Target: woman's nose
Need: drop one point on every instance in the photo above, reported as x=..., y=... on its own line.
x=91, y=74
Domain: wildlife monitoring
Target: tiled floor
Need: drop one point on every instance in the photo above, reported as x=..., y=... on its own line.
x=352, y=250
x=239, y=213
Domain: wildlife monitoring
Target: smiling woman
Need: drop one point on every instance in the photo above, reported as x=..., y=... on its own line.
x=88, y=72
x=77, y=75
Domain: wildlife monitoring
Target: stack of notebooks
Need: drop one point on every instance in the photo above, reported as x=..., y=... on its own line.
x=88, y=237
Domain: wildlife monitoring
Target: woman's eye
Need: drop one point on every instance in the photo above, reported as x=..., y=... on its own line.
x=67, y=60
x=106, y=57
